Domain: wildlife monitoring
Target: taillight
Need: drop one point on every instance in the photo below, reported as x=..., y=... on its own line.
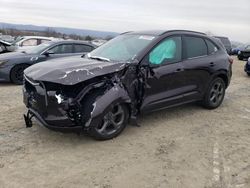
x=231, y=60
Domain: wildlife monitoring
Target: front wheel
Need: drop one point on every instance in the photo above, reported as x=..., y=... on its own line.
x=112, y=124
x=248, y=74
x=16, y=74
x=215, y=94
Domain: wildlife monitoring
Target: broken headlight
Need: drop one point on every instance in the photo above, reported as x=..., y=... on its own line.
x=59, y=98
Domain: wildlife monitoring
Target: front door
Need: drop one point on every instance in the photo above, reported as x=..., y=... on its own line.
x=165, y=79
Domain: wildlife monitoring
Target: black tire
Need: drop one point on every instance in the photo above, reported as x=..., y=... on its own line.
x=240, y=58
x=248, y=74
x=106, y=129
x=16, y=74
x=215, y=94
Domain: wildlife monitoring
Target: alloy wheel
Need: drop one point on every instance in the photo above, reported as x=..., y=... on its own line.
x=112, y=121
x=216, y=93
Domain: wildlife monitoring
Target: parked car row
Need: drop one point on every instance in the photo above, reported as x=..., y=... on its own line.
x=13, y=64
x=226, y=42
x=132, y=74
x=244, y=52
x=23, y=43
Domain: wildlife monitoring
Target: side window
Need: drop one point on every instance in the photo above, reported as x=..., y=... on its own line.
x=194, y=47
x=248, y=47
x=62, y=49
x=211, y=47
x=80, y=48
x=44, y=41
x=30, y=42
x=168, y=51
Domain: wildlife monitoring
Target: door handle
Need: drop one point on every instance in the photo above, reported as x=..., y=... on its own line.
x=211, y=64
x=179, y=70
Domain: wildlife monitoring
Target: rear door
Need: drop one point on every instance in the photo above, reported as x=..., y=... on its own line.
x=198, y=63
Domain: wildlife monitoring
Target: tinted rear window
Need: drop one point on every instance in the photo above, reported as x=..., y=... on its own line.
x=194, y=47
x=211, y=47
x=80, y=48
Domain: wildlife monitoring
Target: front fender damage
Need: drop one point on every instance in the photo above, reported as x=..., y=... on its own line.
x=85, y=103
x=116, y=94
x=88, y=108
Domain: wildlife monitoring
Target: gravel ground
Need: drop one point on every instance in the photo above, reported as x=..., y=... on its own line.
x=186, y=146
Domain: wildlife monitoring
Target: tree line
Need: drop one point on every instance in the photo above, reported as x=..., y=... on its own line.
x=48, y=32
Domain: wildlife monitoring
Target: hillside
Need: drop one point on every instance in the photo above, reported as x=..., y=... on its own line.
x=64, y=30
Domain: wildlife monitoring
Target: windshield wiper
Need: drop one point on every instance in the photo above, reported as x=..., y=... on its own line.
x=98, y=58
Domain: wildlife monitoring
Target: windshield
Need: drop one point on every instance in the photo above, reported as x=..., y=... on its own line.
x=17, y=40
x=122, y=48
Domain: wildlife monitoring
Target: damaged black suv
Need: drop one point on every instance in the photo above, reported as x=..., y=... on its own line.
x=135, y=73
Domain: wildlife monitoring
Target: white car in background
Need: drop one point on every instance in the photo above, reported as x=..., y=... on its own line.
x=27, y=42
x=98, y=42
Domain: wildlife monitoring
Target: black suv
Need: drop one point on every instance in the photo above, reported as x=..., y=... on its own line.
x=134, y=73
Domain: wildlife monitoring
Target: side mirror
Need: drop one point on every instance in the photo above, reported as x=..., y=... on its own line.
x=48, y=53
x=84, y=54
x=146, y=63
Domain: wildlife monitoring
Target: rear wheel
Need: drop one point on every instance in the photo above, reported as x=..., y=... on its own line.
x=112, y=124
x=248, y=74
x=215, y=94
x=16, y=74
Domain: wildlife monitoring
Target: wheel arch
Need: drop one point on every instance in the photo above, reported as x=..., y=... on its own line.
x=15, y=65
x=101, y=102
x=223, y=75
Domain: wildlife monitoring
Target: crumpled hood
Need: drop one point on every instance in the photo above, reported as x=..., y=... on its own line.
x=71, y=70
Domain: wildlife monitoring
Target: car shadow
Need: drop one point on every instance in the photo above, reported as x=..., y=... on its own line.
x=166, y=115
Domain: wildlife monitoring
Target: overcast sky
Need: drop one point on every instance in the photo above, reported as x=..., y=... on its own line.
x=222, y=17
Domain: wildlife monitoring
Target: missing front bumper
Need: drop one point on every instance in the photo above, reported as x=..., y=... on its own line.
x=31, y=114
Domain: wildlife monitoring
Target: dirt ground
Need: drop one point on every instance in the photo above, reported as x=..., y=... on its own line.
x=187, y=146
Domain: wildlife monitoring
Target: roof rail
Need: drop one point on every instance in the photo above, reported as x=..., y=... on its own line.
x=126, y=32
x=183, y=31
